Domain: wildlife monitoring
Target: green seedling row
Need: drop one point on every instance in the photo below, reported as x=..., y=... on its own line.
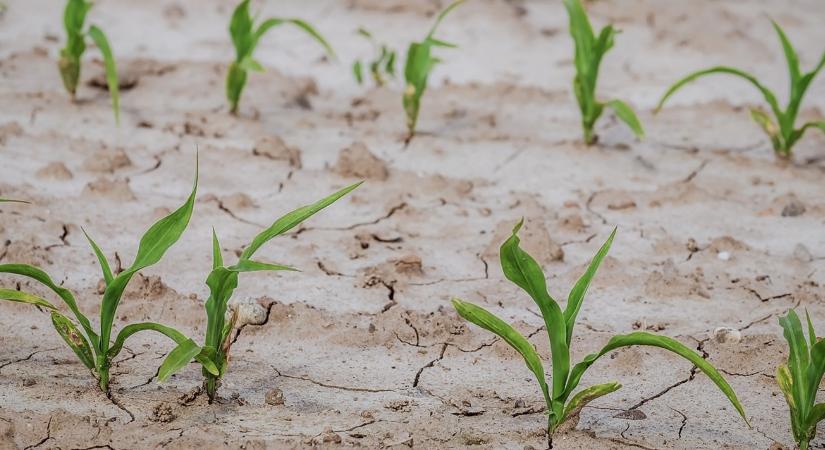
x=589, y=50
x=97, y=342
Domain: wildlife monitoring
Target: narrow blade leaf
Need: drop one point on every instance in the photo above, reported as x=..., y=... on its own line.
x=664, y=342
x=66, y=295
x=247, y=265
x=626, y=114
x=520, y=268
x=74, y=339
x=101, y=258
x=769, y=96
x=24, y=297
x=576, y=297
x=293, y=219
x=111, y=69
x=490, y=322
x=177, y=359
x=581, y=399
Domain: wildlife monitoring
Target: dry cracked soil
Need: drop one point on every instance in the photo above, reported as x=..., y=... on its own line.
x=362, y=347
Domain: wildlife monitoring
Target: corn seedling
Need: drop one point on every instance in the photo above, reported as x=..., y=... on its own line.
x=95, y=349
x=588, y=57
x=74, y=18
x=520, y=268
x=417, y=69
x=245, y=38
x=382, y=65
x=781, y=129
x=799, y=379
x=223, y=280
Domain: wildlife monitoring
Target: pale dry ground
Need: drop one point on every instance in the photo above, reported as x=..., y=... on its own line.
x=363, y=343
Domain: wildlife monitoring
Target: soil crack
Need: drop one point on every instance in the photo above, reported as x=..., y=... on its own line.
x=417, y=378
x=330, y=386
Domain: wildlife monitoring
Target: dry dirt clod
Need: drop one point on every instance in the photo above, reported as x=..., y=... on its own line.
x=274, y=397
x=358, y=162
x=237, y=201
x=56, y=170
x=273, y=147
x=163, y=413
x=409, y=265
x=107, y=161
x=793, y=208
x=329, y=437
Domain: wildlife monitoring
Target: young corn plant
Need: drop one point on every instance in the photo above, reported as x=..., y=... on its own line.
x=588, y=57
x=520, y=268
x=781, y=129
x=223, y=280
x=245, y=38
x=382, y=65
x=95, y=349
x=417, y=69
x=74, y=18
x=799, y=379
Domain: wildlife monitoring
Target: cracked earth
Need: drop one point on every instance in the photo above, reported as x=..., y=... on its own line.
x=362, y=348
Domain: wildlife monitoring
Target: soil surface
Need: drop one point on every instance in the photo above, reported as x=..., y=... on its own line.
x=362, y=348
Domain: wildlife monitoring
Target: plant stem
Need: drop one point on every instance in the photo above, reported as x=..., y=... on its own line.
x=803, y=445
x=211, y=385
x=589, y=137
x=103, y=375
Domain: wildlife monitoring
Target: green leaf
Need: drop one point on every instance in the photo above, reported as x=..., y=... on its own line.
x=24, y=297
x=240, y=30
x=247, y=265
x=153, y=245
x=250, y=63
x=785, y=382
x=273, y=22
x=217, y=258
x=524, y=271
x=769, y=96
x=576, y=296
x=177, y=359
x=768, y=126
x=357, y=70
x=101, y=258
x=664, y=342
x=581, y=399
x=439, y=43
x=790, y=54
x=8, y=200
x=111, y=69
x=817, y=414
x=169, y=332
x=74, y=339
x=442, y=15
x=627, y=116
x=801, y=131
x=293, y=219
x=490, y=322
x=66, y=295
x=798, y=359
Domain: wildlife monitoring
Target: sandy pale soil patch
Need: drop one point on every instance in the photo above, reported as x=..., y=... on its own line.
x=362, y=347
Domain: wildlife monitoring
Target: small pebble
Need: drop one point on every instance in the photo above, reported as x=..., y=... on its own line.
x=724, y=256
x=725, y=335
